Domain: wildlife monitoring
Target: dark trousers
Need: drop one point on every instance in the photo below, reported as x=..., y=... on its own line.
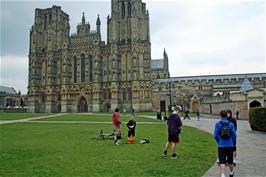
x=225, y=155
x=131, y=132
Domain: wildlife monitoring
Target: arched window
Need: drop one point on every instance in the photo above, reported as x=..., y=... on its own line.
x=129, y=92
x=129, y=9
x=124, y=95
x=104, y=94
x=123, y=10
x=43, y=98
x=75, y=70
x=91, y=68
x=109, y=94
x=50, y=19
x=45, y=22
x=83, y=77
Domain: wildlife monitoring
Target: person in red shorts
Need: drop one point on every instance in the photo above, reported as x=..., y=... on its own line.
x=174, y=127
x=116, y=123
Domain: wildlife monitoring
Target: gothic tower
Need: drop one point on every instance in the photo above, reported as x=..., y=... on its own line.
x=129, y=39
x=47, y=36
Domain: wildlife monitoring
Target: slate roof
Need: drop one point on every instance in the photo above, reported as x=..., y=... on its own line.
x=9, y=90
x=157, y=64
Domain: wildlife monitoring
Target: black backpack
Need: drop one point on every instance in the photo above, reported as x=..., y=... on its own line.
x=225, y=130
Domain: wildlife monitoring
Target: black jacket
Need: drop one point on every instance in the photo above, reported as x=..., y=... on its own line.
x=233, y=121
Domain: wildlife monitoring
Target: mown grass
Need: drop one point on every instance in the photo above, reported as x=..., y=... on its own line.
x=69, y=150
x=96, y=117
x=15, y=116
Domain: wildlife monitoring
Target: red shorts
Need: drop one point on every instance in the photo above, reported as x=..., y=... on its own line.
x=117, y=126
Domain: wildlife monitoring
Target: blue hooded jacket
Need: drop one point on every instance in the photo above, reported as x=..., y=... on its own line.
x=224, y=142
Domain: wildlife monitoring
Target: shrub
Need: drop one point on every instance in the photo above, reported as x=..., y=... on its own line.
x=15, y=110
x=257, y=119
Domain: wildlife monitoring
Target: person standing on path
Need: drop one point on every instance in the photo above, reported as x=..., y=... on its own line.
x=116, y=122
x=225, y=135
x=233, y=121
x=186, y=115
x=174, y=128
x=198, y=115
x=237, y=115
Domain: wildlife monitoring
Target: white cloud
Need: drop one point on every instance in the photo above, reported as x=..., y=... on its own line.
x=14, y=72
x=216, y=38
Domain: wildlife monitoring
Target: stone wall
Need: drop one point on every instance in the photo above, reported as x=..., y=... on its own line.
x=233, y=106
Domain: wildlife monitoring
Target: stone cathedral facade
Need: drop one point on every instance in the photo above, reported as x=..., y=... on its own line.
x=82, y=73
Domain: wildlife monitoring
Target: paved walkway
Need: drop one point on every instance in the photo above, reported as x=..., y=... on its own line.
x=87, y=122
x=27, y=119
x=251, y=149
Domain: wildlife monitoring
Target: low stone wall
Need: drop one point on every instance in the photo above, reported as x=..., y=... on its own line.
x=215, y=108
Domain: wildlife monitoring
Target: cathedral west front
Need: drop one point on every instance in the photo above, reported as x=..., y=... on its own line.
x=81, y=72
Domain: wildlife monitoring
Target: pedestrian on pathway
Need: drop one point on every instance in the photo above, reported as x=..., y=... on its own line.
x=233, y=121
x=237, y=115
x=116, y=122
x=225, y=135
x=198, y=115
x=174, y=129
x=186, y=115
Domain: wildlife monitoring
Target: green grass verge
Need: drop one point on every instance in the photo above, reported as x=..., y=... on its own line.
x=96, y=117
x=69, y=150
x=15, y=116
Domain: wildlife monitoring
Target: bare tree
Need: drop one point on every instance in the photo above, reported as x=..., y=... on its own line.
x=183, y=97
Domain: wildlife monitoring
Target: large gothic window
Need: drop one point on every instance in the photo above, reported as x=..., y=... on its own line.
x=91, y=68
x=124, y=95
x=75, y=70
x=123, y=10
x=129, y=92
x=45, y=22
x=50, y=19
x=109, y=94
x=129, y=9
x=82, y=58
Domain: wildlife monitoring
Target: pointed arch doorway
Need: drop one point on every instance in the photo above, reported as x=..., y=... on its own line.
x=82, y=105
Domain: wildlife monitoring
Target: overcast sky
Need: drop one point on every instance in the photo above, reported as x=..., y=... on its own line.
x=201, y=37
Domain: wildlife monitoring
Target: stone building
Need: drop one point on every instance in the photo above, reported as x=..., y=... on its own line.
x=80, y=72
x=213, y=93
x=10, y=98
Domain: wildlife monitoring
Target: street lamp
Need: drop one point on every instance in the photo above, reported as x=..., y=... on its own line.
x=170, y=91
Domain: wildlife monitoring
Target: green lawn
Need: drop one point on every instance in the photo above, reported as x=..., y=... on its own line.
x=14, y=116
x=97, y=117
x=69, y=150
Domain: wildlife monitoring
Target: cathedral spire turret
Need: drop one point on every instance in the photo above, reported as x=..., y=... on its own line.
x=165, y=58
x=83, y=19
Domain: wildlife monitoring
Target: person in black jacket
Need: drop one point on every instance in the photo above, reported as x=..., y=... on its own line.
x=131, y=125
x=233, y=121
x=174, y=127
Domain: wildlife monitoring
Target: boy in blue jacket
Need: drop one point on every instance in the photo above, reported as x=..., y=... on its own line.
x=225, y=136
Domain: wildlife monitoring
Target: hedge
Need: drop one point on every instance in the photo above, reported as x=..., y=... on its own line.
x=14, y=110
x=257, y=119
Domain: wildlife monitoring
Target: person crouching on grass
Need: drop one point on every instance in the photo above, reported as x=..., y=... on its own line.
x=174, y=126
x=116, y=123
x=131, y=125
